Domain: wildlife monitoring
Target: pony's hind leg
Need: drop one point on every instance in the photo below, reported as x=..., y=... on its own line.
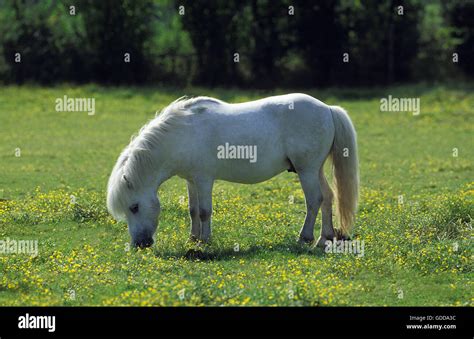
x=313, y=196
x=193, y=203
x=327, y=229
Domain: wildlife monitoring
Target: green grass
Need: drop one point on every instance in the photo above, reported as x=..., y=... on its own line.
x=415, y=253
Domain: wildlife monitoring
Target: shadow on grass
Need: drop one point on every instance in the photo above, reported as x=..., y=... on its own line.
x=207, y=253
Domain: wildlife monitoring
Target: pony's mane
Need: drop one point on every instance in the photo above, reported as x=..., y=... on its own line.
x=137, y=158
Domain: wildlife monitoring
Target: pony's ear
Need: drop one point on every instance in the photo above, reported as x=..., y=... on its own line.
x=129, y=184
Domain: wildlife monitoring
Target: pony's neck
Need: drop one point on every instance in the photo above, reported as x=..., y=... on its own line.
x=151, y=168
x=157, y=175
x=160, y=177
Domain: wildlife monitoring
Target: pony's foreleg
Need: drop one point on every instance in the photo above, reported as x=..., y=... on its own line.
x=204, y=190
x=327, y=229
x=193, y=203
x=313, y=196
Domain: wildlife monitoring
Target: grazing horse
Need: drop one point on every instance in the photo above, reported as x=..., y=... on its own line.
x=204, y=139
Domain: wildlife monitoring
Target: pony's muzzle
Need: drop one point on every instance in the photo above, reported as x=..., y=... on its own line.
x=143, y=243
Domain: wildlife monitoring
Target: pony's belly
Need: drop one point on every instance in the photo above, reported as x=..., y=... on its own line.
x=248, y=173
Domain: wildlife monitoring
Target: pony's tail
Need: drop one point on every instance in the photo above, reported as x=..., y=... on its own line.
x=345, y=169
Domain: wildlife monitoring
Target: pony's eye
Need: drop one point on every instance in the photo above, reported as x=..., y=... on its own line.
x=134, y=208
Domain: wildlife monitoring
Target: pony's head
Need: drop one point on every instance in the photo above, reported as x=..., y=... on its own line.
x=131, y=196
x=131, y=191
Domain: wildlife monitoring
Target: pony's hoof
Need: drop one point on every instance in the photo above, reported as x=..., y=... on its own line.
x=205, y=240
x=194, y=239
x=198, y=241
x=322, y=242
x=341, y=236
x=304, y=242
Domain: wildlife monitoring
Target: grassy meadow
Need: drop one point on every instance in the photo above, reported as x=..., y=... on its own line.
x=415, y=214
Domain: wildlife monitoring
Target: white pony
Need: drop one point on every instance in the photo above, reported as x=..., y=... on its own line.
x=204, y=139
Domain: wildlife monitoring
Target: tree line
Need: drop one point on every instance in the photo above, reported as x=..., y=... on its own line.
x=246, y=43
